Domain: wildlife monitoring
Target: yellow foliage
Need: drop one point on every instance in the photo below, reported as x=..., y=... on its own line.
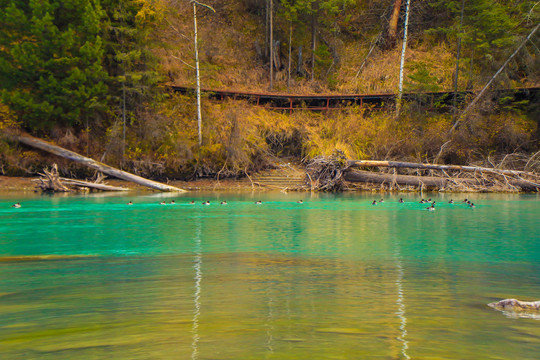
x=7, y=117
x=149, y=12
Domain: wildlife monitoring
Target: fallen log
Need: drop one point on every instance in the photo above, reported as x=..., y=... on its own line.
x=406, y=180
x=92, y=185
x=428, y=181
x=399, y=164
x=106, y=169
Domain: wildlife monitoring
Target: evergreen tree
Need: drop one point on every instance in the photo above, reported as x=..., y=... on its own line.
x=490, y=31
x=51, y=60
x=128, y=58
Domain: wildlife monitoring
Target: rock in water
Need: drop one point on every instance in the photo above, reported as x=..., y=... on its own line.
x=516, y=305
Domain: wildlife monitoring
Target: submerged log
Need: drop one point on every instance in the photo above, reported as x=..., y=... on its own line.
x=106, y=169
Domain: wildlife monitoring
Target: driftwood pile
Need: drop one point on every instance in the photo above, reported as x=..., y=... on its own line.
x=337, y=173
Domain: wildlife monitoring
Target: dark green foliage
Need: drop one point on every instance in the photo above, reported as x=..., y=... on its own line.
x=64, y=61
x=420, y=80
x=129, y=60
x=491, y=29
x=51, y=60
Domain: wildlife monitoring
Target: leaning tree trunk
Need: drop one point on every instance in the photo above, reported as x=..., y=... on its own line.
x=475, y=100
x=106, y=169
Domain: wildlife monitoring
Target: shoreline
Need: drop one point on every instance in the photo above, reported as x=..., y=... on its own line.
x=9, y=184
x=29, y=184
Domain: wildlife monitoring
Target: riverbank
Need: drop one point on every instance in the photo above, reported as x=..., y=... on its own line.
x=28, y=184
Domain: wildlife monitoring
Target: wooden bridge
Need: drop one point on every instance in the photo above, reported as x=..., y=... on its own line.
x=290, y=102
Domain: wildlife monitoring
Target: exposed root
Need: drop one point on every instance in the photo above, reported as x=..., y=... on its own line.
x=50, y=181
x=326, y=174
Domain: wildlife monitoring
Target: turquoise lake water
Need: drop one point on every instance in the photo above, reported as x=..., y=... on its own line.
x=89, y=277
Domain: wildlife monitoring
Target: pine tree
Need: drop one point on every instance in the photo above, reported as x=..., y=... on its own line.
x=51, y=60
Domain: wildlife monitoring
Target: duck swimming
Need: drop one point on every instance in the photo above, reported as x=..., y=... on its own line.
x=451, y=201
x=401, y=200
x=163, y=203
x=17, y=205
x=431, y=208
x=300, y=202
x=130, y=203
x=258, y=202
x=172, y=202
x=223, y=203
x=206, y=202
x=374, y=202
x=192, y=202
x=382, y=200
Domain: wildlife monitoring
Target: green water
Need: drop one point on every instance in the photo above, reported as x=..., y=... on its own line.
x=333, y=278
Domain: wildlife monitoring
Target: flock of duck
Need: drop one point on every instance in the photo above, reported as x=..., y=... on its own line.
x=429, y=201
x=259, y=202
x=207, y=202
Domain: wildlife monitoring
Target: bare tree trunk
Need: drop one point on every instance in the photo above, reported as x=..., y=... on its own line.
x=106, y=169
x=290, y=50
x=314, y=10
x=426, y=181
x=93, y=185
x=410, y=180
x=267, y=30
x=199, y=116
x=399, y=164
x=271, y=44
x=299, y=65
x=457, y=60
x=392, y=26
x=372, y=47
x=470, y=83
x=402, y=64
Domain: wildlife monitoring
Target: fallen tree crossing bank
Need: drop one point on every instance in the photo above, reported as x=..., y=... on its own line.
x=106, y=169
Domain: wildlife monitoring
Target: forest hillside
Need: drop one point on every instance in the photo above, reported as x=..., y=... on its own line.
x=95, y=77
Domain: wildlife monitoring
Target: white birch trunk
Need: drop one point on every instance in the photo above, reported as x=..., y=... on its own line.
x=402, y=64
x=199, y=116
x=271, y=44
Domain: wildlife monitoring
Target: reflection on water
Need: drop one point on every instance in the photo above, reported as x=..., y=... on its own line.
x=333, y=278
x=197, y=298
x=401, y=311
